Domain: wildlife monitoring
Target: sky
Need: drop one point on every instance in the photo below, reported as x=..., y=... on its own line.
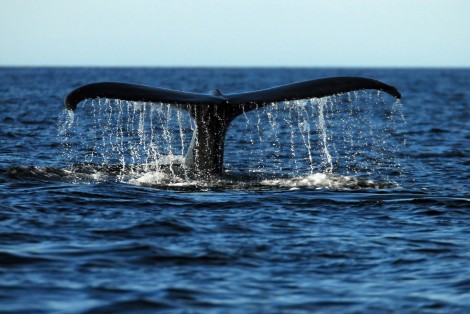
x=289, y=33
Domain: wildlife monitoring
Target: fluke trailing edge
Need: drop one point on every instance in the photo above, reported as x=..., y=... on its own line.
x=213, y=112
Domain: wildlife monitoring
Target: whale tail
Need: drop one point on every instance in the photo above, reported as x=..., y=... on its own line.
x=214, y=112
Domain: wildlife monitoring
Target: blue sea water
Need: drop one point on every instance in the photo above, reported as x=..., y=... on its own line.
x=379, y=222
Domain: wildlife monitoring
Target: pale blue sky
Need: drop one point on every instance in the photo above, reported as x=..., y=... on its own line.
x=307, y=33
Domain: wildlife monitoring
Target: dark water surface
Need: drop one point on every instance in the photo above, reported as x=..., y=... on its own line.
x=387, y=232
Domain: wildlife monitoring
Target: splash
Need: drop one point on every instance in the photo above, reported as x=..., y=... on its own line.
x=332, y=142
x=325, y=181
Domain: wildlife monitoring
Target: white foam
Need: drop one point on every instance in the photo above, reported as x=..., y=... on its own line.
x=154, y=177
x=317, y=181
x=321, y=180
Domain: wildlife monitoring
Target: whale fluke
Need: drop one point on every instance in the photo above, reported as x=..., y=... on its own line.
x=213, y=112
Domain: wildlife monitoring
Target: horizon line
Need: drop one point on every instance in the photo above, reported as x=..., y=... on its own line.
x=246, y=66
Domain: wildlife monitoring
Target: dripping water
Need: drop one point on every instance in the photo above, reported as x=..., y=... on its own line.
x=353, y=134
x=127, y=138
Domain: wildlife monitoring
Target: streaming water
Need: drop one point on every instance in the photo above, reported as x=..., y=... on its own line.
x=147, y=143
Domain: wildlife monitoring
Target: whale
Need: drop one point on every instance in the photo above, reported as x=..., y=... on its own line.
x=213, y=112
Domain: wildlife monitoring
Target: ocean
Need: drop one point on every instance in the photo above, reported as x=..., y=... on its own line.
x=355, y=203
